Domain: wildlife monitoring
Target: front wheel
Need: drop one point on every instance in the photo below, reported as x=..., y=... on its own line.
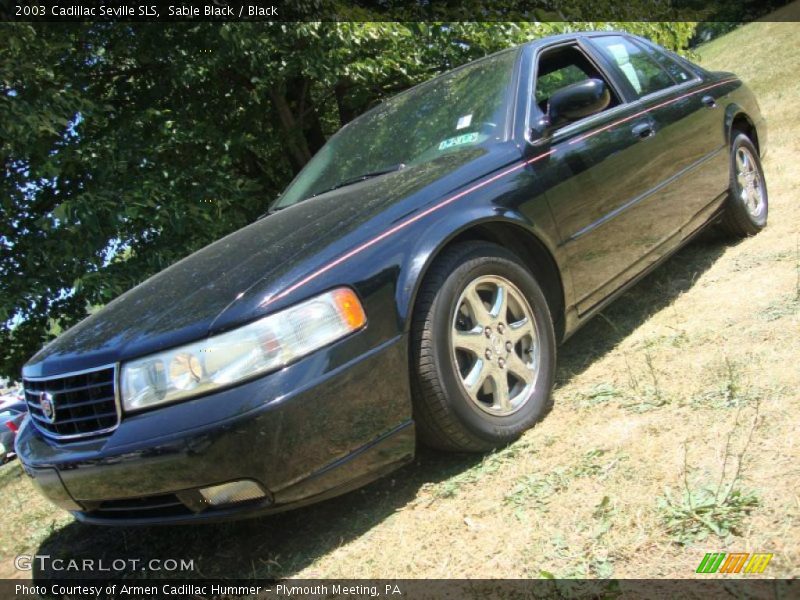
x=748, y=203
x=483, y=349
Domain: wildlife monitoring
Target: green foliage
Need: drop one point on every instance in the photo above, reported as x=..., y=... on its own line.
x=537, y=490
x=126, y=147
x=490, y=464
x=727, y=390
x=697, y=513
x=598, y=394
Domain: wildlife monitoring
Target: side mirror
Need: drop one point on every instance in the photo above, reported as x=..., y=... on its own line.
x=577, y=101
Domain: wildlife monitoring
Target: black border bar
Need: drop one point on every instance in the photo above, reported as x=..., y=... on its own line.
x=405, y=589
x=394, y=10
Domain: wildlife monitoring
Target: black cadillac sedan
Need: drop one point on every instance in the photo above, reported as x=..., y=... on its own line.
x=412, y=283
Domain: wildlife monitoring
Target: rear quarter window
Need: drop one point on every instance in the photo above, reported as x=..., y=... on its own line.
x=671, y=66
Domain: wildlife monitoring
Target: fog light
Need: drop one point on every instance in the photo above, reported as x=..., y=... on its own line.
x=233, y=492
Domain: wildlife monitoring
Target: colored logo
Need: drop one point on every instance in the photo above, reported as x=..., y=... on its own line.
x=735, y=562
x=47, y=406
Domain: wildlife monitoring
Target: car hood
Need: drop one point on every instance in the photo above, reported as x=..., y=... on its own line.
x=183, y=303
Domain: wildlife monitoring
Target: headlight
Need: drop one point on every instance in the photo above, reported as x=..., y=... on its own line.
x=225, y=359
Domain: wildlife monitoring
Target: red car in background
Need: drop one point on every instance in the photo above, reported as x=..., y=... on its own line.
x=11, y=416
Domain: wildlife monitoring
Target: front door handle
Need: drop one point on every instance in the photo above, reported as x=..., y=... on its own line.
x=709, y=101
x=643, y=130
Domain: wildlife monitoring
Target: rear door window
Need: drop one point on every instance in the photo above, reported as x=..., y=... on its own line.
x=640, y=69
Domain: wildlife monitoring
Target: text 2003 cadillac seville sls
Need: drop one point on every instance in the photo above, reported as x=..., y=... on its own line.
x=412, y=282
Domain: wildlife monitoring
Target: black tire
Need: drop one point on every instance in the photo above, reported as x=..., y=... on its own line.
x=446, y=417
x=738, y=220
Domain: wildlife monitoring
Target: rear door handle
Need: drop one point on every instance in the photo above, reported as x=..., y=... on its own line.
x=643, y=130
x=709, y=101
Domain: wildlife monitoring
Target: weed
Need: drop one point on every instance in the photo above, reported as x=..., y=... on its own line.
x=587, y=559
x=603, y=513
x=646, y=391
x=780, y=308
x=729, y=392
x=490, y=464
x=536, y=490
x=590, y=567
x=678, y=339
x=711, y=508
x=598, y=394
x=701, y=511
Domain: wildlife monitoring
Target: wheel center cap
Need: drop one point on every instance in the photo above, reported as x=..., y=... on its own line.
x=497, y=344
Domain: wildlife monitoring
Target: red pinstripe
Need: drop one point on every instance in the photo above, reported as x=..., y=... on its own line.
x=647, y=110
x=409, y=221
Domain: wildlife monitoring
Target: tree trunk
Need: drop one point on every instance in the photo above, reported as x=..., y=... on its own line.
x=296, y=144
x=346, y=113
x=302, y=106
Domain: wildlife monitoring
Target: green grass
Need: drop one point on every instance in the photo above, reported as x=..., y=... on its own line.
x=536, y=490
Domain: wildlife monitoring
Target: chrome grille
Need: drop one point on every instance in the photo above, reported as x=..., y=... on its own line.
x=84, y=404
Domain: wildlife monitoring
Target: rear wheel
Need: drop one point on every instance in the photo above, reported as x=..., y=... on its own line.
x=748, y=203
x=483, y=349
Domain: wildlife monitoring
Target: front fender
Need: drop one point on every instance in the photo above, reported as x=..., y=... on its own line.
x=427, y=243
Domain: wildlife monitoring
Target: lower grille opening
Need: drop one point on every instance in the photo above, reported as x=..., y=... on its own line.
x=167, y=505
x=184, y=503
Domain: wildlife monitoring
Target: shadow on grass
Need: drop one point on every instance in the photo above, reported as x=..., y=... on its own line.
x=275, y=546
x=284, y=544
x=651, y=295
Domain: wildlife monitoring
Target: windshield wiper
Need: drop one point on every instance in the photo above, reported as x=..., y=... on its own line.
x=341, y=184
x=363, y=177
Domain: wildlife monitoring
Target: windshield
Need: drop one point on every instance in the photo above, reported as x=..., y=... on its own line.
x=458, y=110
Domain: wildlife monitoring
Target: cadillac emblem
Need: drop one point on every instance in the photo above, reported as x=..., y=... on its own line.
x=47, y=406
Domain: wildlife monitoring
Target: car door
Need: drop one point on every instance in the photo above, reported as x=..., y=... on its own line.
x=692, y=123
x=602, y=172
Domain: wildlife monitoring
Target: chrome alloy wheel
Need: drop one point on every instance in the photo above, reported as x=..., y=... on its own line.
x=495, y=345
x=748, y=180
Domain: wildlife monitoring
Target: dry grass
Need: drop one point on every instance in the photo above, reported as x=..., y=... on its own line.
x=679, y=405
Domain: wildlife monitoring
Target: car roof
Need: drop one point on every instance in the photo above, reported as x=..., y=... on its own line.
x=537, y=43
x=547, y=40
x=563, y=37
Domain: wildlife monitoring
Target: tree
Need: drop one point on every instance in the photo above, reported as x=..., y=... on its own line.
x=127, y=146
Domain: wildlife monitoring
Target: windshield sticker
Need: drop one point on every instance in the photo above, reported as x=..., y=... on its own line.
x=464, y=122
x=465, y=138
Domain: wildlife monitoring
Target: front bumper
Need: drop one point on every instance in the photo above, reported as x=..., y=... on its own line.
x=315, y=429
